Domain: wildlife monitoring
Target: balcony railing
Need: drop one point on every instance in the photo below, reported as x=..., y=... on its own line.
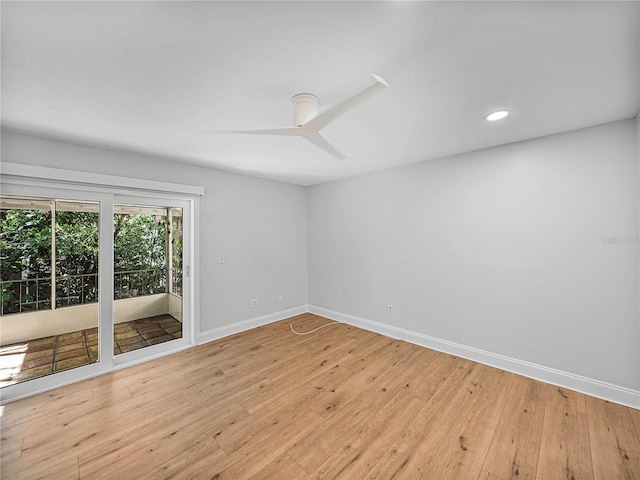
x=28, y=295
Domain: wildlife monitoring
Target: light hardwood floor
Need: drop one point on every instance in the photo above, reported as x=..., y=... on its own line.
x=339, y=403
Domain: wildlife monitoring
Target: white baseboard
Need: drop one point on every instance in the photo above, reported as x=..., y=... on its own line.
x=588, y=386
x=225, y=331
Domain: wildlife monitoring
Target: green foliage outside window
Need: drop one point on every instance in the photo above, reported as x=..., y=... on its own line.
x=139, y=254
x=25, y=244
x=26, y=247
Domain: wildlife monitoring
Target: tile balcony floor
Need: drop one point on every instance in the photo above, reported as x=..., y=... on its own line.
x=43, y=356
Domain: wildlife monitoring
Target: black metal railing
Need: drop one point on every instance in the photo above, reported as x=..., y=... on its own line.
x=32, y=294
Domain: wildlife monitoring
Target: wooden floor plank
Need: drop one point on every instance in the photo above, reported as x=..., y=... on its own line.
x=615, y=447
x=192, y=376
x=263, y=449
x=366, y=359
x=121, y=379
x=10, y=450
x=299, y=373
x=311, y=451
x=462, y=451
x=339, y=403
x=69, y=414
x=415, y=362
x=635, y=419
x=329, y=389
x=40, y=450
x=484, y=475
x=246, y=429
x=281, y=468
x=491, y=387
x=31, y=408
x=155, y=443
x=224, y=388
x=196, y=458
x=307, y=394
x=102, y=457
x=565, y=448
x=428, y=380
x=514, y=449
x=365, y=448
x=413, y=451
x=363, y=339
x=65, y=470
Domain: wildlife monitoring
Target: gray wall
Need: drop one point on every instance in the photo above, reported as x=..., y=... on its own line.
x=238, y=215
x=527, y=250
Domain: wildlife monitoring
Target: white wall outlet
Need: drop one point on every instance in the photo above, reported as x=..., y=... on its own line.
x=255, y=256
x=279, y=298
x=390, y=309
x=254, y=303
x=221, y=259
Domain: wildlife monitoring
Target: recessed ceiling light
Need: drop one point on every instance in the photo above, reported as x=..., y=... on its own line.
x=499, y=115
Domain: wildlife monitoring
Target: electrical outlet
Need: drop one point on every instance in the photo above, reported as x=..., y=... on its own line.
x=255, y=256
x=390, y=309
x=254, y=303
x=279, y=298
x=221, y=259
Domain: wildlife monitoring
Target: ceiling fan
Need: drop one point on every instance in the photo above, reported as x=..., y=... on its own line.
x=308, y=121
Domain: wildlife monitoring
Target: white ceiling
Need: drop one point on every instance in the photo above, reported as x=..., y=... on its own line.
x=164, y=78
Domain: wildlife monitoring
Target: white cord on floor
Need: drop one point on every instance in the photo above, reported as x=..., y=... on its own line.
x=314, y=330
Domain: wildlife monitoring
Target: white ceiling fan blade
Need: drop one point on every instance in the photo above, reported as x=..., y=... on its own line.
x=293, y=131
x=321, y=142
x=318, y=123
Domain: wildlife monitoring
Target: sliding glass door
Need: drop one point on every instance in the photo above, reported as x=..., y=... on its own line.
x=49, y=252
x=89, y=281
x=148, y=274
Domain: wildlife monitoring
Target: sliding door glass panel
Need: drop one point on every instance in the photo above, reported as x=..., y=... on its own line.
x=147, y=276
x=175, y=256
x=49, y=316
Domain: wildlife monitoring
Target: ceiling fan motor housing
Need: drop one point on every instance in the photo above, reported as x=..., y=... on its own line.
x=305, y=107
